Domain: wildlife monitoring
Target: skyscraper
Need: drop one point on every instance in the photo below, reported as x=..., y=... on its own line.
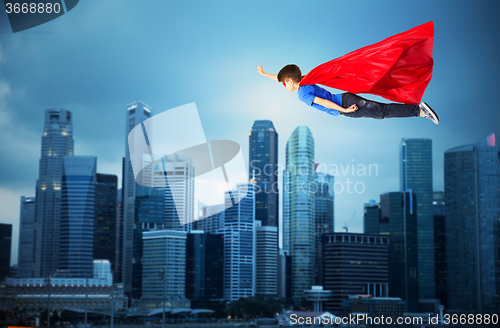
x=213, y=219
x=136, y=112
x=239, y=243
x=149, y=213
x=399, y=209
x=164, y=250
x=57, y=142
x=263, y=158
x=266, y=263
x=371, y=219
x=204, y=268
x=178, y=173
x=5, y=246
x=117, y=273
x=106, y=192
x=416, y=174
x=299, y=209
x=26, y=252
x=324, y=211
x=353, y=264
x=441, y=263
x=77, y=215
x=472, y=206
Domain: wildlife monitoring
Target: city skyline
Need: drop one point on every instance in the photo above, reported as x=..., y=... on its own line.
x=97, y=103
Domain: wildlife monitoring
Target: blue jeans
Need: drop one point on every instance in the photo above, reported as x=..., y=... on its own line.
x=374, y=109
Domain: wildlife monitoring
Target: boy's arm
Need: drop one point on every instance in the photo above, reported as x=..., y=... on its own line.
x=330, y=104
x=260, y=69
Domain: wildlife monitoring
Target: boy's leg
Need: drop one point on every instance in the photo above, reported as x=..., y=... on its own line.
x=374, y=109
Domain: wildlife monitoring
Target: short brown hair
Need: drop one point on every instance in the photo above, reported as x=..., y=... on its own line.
x=290, y=72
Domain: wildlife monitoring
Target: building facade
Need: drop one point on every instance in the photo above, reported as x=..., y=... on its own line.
x=299, y=209
x=353, y=264
x=26, y=252
x=164, y=251
x=416, y=174
x=204, y=268
x=213, y=219
x=399, y=209
x=239, y=243
x=6, y=247
x=136, y=113
x=266, y=270
x=324, y=220
x=105, y=220
x=263, y=159
x=472, y=209
x=77, y=215
x=440, y=258
x=57, y=142
x=94, y=293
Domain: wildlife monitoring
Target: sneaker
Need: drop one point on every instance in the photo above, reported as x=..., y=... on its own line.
x=429, y=113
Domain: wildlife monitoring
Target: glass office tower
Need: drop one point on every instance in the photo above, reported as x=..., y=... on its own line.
x=26, y=252
x=299, y=209
x=399, y=210
x=416, y=174
x=324, y=221
x=239, y=243
x=57, y=142
x=263, y=160
x=106, y=192
x=135, y=113
x=77, y=215
x=472, y=210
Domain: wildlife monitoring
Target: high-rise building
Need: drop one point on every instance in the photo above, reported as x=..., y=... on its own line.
x=372, y=219
x=353, y=264
x=76, y=252
x=5, y=246
x=57, y=142
x=213, y=219
x=399, y=209
x=440, y=265
x=324, y=208
x=416, y=174
x=136, y=113
x=299, y=209
x=164, y=251
x=179, y=191
x=263, y=158
x=117, y=273
x=106, y=192
x=149, y=213
x=472, y=208
x=266, y=264
x=204, y=268
x=26, y=252
x=239, y=243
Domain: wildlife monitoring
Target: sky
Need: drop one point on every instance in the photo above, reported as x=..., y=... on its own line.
x=103, y=55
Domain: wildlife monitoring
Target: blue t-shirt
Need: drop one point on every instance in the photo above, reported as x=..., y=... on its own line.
x=307, y=93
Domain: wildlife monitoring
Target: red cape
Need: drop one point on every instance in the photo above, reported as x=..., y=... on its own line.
x=398, y=68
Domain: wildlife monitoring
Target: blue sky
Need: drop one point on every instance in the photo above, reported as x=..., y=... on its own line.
x=105, y=54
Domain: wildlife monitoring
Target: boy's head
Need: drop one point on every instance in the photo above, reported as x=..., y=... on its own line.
x=290, y=72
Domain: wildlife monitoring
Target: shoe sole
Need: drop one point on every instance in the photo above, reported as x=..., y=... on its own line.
x=431, y=111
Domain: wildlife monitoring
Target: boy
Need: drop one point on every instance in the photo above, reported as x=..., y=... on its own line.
x=398, y=68
x=346, y=104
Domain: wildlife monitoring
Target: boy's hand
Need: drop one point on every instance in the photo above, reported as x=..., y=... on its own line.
x=351, y=109
x=260, y=69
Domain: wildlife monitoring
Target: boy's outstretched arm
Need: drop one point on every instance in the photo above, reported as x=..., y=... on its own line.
x=260, y=69
x=330, y=104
